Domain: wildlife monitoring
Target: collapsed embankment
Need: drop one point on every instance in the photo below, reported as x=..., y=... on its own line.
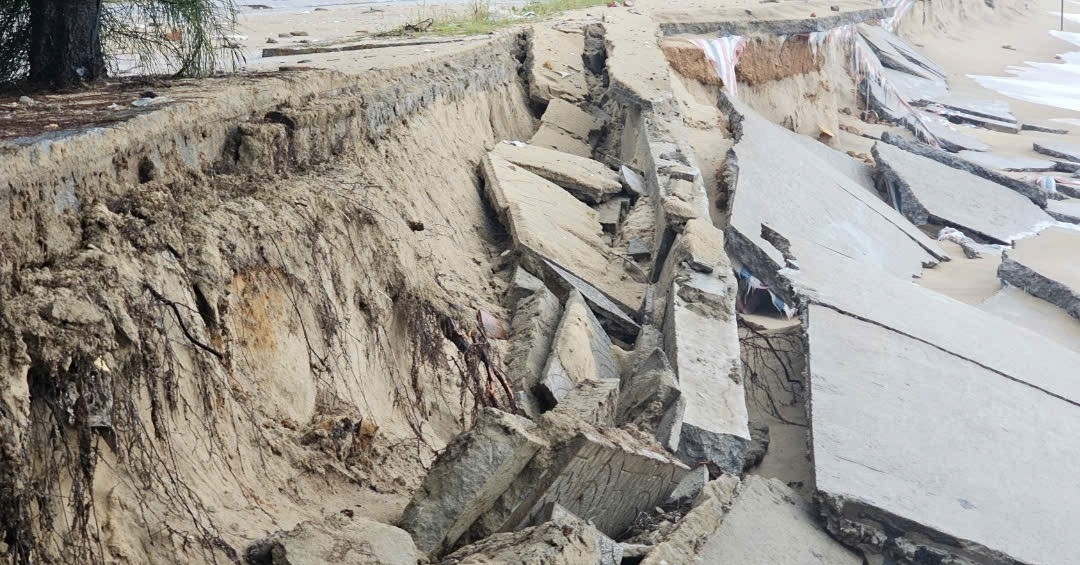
x=236, y=312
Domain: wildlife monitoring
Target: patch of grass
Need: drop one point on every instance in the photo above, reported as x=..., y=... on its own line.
x=479, y=16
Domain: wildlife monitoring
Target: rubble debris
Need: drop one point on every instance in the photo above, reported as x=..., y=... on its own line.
x=689, y=488
x=1037, y=196
x=1038, y=265
x=580, y=351
x=584, y=178
x=612, y=213
x=1007, y=162
x=468, y=477
x=339, y=539
x=874, y=389
x=650, y=398
x=1066, y=151
x=564, y=540
x=547, y=223
x=791, y=198
x=605, y=474
x=637, y=250
x=554, y=66
x=756, y=522
x=971, y=204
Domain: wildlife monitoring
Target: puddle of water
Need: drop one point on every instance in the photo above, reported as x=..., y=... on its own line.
x=1049, y=84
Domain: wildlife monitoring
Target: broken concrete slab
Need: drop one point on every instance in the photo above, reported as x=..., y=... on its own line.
x=593, y=401
x=522, y=285
x=947, y=136
x=532, y=329
x=1042, y=266
x=1067, y=210
x=1030, y=192
x=701, y=339
x=580, y=351
x=829, y=278
x=1007, y=162
x=878, y=395
x=997, y=111
x=554, y=65
x=915, y=89
x=961, y=117
x=764, y=19
x=637, y=71
x=855, y=169
x=1044, y=129
x=556, y=138
x=926, y=191
x=563, y=540
x=1035, y=314
x=635, y=185
x=546, y=223
x=1066, y=151
x=468, y=477
x=894, y=54
x=650, y=399
x=612, y=316
x=606, y=475
x=758, y=522
x=584, y=178
x=611, y=553
x=339, y=539
x=571, y=119
x=612, y=213
x=808, y=200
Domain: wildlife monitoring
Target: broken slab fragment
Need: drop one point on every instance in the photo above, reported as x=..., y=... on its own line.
x=1044, y=266
x=995, y=110
x=895, y=54
x=929, y=192
x=1044, y=129
x=613, y=317
x=962, y=117
x=637, y=71
x=650, y=399
x=914, y=89
x=532, y=329
x=949, y=138
x=611, y=553
x=1007, y=162
x=336, y=540
x=522, y=285
x=1032, y=193
x=1067, y=151
x=756, y=522
x=554, y=65
x=809, y=17
x=546, y=223
x=612, y=213
x=552, y=137
x=580, y=351
x=1067, y=210
x=587, y=179
x=563, y=540
x=468, y=477
x=593, y=401
x=878, y=396
x=811, y=202
x=602, y=473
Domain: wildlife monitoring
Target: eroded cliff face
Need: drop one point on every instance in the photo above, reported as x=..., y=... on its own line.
x=240, y=312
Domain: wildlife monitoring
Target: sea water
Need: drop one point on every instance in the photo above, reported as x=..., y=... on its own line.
x=1049, y=84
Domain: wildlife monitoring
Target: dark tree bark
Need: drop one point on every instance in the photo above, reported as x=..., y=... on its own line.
x=65, y=42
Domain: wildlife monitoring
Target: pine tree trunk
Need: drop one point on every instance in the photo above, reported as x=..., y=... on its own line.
x=65, y=42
